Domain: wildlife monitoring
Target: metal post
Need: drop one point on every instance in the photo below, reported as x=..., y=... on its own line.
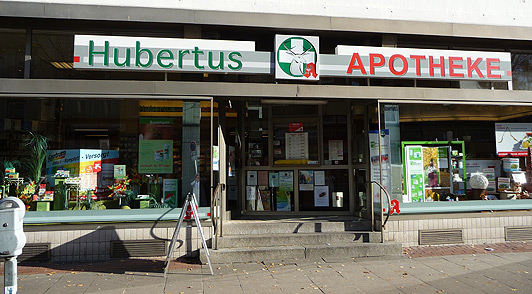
x=10, y=275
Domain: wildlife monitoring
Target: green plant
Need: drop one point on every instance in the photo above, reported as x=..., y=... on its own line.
x=37, y=144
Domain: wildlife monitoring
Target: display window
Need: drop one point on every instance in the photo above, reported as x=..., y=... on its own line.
x=455, y=152
x=87, y=154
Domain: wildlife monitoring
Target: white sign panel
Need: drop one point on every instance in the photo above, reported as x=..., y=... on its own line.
x=165, y=54
x=383, y=62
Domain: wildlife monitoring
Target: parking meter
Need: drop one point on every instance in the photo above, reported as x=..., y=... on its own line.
x=12, y=239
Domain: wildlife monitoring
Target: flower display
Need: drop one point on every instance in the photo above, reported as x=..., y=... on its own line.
x=120, y=187
x=137, y=178
x=478, y=181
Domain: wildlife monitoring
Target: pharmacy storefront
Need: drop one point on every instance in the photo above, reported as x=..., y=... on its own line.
x=288, y=132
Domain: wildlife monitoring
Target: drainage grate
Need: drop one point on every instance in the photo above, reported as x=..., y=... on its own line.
x=35, y=252
x=138, y=248
x=434, y=237
x=518, y=233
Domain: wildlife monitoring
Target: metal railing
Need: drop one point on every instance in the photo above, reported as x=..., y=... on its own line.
x=382, y=211
x=217, y=214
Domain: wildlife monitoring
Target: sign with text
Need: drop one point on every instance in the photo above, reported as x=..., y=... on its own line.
x=294, y=57
x=360, y=61
x=168, y=54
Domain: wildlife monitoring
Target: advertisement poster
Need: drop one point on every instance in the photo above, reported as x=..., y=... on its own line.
x=152, y=128
x=431, y=167
x=263, y=178
x=273, y=180
x=170, y=192
x=119, y=171
x=384, y=164
x=283, y=200
x=306, y=180
x=336, y=150
x=156, y=156
x=296, y=145
x=264, y=197
x=215, y=158
x=251, y=193
x=503, y=184
x=295, y=127
x=513, y=139
x=95, y=167
x=510, y=164
x=252, y=178
x=321, y=196
x=475, y=166
x=286, y=181
x=490, y=175
x=414, y=173
x=319, y=177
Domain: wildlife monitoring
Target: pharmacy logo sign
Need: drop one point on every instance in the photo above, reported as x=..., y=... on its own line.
x=296, y=57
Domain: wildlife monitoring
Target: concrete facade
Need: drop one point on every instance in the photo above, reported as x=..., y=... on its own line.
x=93, y=242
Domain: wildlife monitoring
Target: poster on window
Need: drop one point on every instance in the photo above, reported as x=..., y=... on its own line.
x=170, y=192
x=273, y=179
x=414, y=173
x=283, y=200
x=286, y=181
x=319, y=177
x=262, y=178
x=321, y=196
x=336, y=150
x=513, y=139
x=380, y=162
x=296, y=145
x=306, y=180
x=156, y=156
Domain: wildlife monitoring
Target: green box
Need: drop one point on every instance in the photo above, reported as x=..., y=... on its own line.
x=43, y=206
x=144, y=204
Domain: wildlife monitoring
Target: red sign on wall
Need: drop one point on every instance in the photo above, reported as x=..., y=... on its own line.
x=295, y=127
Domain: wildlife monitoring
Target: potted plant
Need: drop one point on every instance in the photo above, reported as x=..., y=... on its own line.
x=37, y=144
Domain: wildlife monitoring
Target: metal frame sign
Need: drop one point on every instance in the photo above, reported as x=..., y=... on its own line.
x=383, y=62
x=165, y=54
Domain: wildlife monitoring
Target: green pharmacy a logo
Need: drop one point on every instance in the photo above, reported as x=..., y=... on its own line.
x=297, y=57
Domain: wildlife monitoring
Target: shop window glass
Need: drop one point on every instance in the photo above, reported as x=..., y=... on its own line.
x=323, y=190
x=444, y=145
x=256, y=134
x=335, y=133
x=12, y=53
x=295, y=143
x=295, y=134
x=522, y=71
x=358, y=129
x=162, y=146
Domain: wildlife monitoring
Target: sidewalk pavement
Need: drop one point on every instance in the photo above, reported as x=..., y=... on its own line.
x=489, y=268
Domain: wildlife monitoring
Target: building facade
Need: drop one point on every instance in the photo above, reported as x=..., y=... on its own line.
x=381, y=111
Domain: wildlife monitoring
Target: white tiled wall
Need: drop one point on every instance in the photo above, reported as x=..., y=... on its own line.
x=475, y=230
x=93, y=245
